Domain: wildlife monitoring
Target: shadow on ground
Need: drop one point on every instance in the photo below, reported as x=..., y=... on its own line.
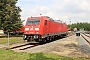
x=85, y=48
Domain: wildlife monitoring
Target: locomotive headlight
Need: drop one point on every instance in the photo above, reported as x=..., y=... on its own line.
x=26, y=32
x=26, y=29
x=36, y=28
x=36, y=32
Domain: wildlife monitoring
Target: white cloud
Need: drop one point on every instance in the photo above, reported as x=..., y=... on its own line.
x=40, y=9
x=84, y=4
x=76, y=10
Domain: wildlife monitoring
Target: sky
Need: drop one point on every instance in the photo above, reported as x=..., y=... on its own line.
x=69, y=11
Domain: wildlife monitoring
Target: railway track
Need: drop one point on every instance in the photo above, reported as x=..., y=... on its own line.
x=86, y=37
x=25, y=46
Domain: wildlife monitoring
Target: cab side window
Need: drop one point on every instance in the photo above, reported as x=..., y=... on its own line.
x=45, y=22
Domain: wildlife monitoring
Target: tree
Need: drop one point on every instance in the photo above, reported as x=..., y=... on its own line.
x=9, y=15
x=85, y=26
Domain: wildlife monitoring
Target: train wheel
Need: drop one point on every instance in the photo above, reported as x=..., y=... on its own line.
x=50, y=38
x=39, y=39
x=43, y=40
x=28, y=39
x=24, y=37
x=47, y=39
x=53, y=38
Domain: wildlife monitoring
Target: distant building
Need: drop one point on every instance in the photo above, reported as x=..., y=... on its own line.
x=1, y=32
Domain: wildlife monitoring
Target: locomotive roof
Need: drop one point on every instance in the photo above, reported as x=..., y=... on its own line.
x=33, y=18
x=39, y=17
x=59, y=21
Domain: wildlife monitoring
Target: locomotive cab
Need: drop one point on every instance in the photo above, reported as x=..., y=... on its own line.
x=35, y=28
x=32, y=29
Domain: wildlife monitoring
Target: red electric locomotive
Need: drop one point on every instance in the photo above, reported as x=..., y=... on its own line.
x=43, y=29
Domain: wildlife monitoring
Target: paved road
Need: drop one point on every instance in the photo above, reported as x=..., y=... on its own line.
x=84, y=46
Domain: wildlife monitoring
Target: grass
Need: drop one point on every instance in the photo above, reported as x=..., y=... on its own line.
x=11, y=39
x=11, y=55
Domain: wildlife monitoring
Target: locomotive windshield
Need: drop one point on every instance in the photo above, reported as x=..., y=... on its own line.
x=30, y=22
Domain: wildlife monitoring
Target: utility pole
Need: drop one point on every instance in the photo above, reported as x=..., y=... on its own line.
x=8, y=39
x=70, y=24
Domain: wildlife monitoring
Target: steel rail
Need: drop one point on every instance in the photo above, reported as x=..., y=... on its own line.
x=23, y=45
x=85, y=39
x=86, y=35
